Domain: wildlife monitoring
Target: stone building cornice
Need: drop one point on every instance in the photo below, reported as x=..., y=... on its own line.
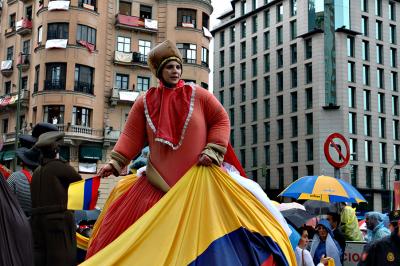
x=205, y=3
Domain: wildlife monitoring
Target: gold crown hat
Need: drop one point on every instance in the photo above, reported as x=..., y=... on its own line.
x=162, y=54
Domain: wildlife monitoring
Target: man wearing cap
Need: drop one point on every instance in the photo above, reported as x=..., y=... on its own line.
x=20, y=181
x=387, y=250
x=53, y=225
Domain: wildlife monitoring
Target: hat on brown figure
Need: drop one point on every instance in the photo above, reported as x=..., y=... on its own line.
x=28, y=156
x=162, y=54
x=41, y=128
x=49, y=138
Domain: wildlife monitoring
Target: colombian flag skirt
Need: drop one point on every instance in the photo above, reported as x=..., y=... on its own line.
x=205, y=219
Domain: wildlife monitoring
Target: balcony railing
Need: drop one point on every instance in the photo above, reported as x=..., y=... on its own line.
x=87, y=6
x=24, y=26
x=54, y=84
x=10, y=31
x=83, y=87
x=129, y=58
x=12, y=99
x=119, y=95
x=23, y=61
x=136, y=23
x=74, y=130
x=7, y=67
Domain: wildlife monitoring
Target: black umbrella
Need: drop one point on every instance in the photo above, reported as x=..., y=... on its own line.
x=297, y=217
x=319, y=207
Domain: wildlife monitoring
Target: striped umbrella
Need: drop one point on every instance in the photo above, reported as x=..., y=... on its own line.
x=323, y=188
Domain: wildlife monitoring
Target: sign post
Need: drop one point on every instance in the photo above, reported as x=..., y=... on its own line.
x=334, y=153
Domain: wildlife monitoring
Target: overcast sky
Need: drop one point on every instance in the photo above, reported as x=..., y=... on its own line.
x=220, y=7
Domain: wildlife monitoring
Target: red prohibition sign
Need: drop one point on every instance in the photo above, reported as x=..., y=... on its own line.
x=331, y=143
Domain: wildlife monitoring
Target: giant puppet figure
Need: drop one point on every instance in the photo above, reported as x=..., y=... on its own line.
x=187, y=131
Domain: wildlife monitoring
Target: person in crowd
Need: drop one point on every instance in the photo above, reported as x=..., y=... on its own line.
x=334, y=220
x=324, y=244
x=386, y=251
x=349, y=224
x=53, y=226
x=303, y=256
x=20, y=181
x=375, y=226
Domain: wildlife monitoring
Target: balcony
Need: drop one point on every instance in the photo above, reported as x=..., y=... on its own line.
x=58, y=5
x=54, y=85
x=83, y=87
x=87, y=6
x=130, y=58
x=56, y=43
x=24, y=26
x=10, y=31
x=136, y=23
x=7, y=68
x=23, y=62
x=81, y=132
x=122, y=96
x=11, y=100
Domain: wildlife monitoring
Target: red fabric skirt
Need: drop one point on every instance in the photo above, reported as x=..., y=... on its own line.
x=123, y=212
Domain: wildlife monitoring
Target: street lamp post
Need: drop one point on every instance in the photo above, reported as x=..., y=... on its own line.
x=18, y=122
x=390, y=190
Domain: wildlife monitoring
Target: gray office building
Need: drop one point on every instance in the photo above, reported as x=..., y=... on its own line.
x=290, y=73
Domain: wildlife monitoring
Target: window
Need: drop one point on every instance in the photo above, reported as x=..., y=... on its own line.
x=380, y=78
x=381, y=103
x=55, y=76
x=352, y=97
x=143, y=83
x=369, y=176
x=378, y=7
x=188, y=52
x=379, y=54
x=293, y=53
x=295, y=152
x=53, y=114
x=280, y=128
x=279, y=58
x=232, y=75
x=243, y=29
x=279, y=13
x=367, y=100
x=395, y=128
x=308, y=49
x=350, y=46
x=383, y=174
x=293, y=7
x=231, y=115
x=382, y=127
x=81, y=116
x=266, y=40
x=295, y=173
x=243, y=157
x=254, y=24
x=396, y=153
x=351, y=71
x=293, y=77
x=186, y=18
x=279, y=79
x=281, y=178
x=243, y=71
x=365, y=50
x=395, y=105
x=242, y=51
x=267, y=107
x=254, y=156
x=145, y=11
x=232, y=96
x=392, y=11
x=368, y=150
x=204, y=85
x=267, y=62
x=243, y=9
x=222, y=98
x=378, y=32
x=310, y=149
x=57, y=31
x=364, y=5
x=367, y=125
x=7, y=87
x=254, y=4
x=10, y=53
x=267, y=132
x=366, y=75
x=266, y=18
x=309, y=76
x=84, y=79
x=243, y=92
x=293, y=30
x=222, y=39
x=221, y=79
x=254, y=45
x=40, y=34
x=124, y=44
x=279, y=100
x=5, y=126
x=293, y=100
x=242, y=136
x=254, y=86
x=221, y=58
x=393, y=81
x=36, y=84
x=393, y=57
x=309, y=124
x=364, y=26
x=86, y=33
x=382, y=152
x=281, y=154
x=242, y=114
x=144, y=49
x=26, y=47
x=121, y=81
x=294, y=126
x=309, y=98
x=392, y=34
x=254, y=133
x=11, y=21
x=205, y=20
x=267, y=155
x=125, y=8
x=254, y=69
x=279, y=35
x=353, y=149
x=352, y=123
x=87, y=3
x=232, y=32
x=267, y=86
x=353, y=174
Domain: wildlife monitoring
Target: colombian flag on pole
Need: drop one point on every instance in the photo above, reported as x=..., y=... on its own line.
x=207, y=218
x=82, y=195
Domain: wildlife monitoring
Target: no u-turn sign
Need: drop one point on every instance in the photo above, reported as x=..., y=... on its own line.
x=337, y=151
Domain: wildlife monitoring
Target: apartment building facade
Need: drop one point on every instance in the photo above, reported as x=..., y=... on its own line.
x=290, y=73
x=81, y=64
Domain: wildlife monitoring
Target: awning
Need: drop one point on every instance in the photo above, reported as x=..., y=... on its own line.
x=8, y=155
x=90, y=152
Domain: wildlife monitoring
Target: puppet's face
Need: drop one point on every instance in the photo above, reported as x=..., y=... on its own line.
x=171, y=73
